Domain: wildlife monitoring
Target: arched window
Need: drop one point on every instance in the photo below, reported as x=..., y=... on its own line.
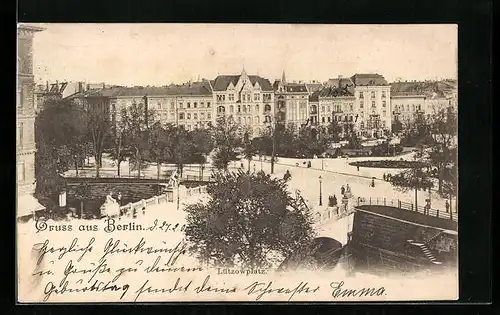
x=221, y=109
x=267, y=108
x=231, y=109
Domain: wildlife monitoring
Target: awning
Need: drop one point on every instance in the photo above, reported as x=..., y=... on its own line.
x=27, y=205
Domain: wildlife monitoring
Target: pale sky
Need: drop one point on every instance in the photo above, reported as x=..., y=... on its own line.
x=159, y=54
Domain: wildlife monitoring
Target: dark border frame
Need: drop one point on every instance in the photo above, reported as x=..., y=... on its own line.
x=475, y=91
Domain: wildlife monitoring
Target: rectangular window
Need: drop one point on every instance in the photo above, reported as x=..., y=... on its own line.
x=373, y=94
x=383, y=103
x=195, y=116
x=361, y=95
x=329, y=119
x=209, y=116
x=383, y=94
x=360, y=104
x=239, y=108
x=21, y=135
x=181, y=116
x=373, y=103
x=195, y=105
x=181, y=105
x=322, y=119
x=21, y=176
x=188, y=116
x=19, y=97
x=384, y=113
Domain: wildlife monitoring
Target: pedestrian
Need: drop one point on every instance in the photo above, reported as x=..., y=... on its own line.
x=335, y=200
x=330, y=201
x=373, y=182
x=309, y=164
x=384, y=176
x=342, y=190
x=447, y=205
x=254, y=167
x=358, y=168
x=287, y=175
x=119, y=198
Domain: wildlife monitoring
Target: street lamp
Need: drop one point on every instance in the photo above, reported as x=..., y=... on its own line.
x=320, y=192
x=273, y=131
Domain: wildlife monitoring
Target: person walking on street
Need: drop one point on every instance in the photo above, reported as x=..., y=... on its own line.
x=287, y=175
x=342, y=190
x=334, y=200
x=358, y=168
x=447, y=205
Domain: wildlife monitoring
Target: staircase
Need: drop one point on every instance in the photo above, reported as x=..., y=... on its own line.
x=428, y=254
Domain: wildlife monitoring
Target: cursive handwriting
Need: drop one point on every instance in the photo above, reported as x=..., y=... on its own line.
x=97, y=286
x=113, y=247
x=338, y=291
x=262, y=289
x=205, y=287
x=102, y=267
x=44, y=248
x=145, y=288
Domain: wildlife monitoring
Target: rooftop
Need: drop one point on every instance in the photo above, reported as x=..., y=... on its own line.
x=368, y=79
x=221, y=82
x=335, y=92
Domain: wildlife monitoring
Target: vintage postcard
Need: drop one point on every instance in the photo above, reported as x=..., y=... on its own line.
x=236, y=162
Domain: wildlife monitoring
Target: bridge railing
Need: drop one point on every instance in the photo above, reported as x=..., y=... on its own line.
x=188, y=177
x=407, y=206
x=163, y=198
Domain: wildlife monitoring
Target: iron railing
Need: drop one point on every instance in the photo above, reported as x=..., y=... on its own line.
x=407, y=206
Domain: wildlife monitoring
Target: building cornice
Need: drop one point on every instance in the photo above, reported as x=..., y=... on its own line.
x=26, y=152
x=408, y=96
x=25, y=29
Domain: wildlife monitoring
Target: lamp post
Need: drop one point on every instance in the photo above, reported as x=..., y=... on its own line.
x=320, y=192
x=272, y=128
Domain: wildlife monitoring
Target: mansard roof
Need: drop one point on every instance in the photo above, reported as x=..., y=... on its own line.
x=368, y=79
x=221, y=82
x=335, y=92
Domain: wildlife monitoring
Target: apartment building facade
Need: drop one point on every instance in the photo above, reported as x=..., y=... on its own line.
x=373, y=102
x=25, y=123
x=247, y=99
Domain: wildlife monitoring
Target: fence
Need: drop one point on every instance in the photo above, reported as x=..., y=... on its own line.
x=163, y=198
x=407, y=206
x=105, y=176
